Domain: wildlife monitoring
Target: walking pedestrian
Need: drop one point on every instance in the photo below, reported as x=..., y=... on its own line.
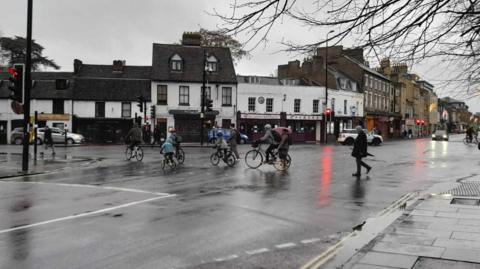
x=234, y=140
x=48, y=139
x=410, y=133
x=360, y=151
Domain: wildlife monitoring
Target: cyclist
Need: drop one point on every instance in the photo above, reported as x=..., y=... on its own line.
x=174, y=139
x=470, y=134
x=221, y=145
x=268, y=138
x=284, y=146
x=134, y=136
x=167, y=149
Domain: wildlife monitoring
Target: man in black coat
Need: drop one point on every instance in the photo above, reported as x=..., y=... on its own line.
x=360, y=151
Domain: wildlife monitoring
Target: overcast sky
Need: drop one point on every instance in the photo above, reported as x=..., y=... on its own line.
x=100, y=31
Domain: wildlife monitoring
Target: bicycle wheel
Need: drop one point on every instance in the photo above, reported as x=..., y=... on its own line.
x=172, y=164
x=254, y=158
x=230, y=160
x=139, y=154
x=128, y=153
x=180, y=156
x=214, y=159
x=280, y=166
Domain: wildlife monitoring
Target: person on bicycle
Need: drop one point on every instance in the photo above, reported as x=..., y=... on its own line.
x=268, y=138
x=174, y=138
x=470, y=134
x=284, y=146
x=134, y=136
x=168, y=149
x=221, y=145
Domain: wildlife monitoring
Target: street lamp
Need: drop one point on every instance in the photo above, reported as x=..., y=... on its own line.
x=326, y=83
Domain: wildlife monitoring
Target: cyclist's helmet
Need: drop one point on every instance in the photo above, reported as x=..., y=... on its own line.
x=268, y=126
x=171, y=130
x=219, y=134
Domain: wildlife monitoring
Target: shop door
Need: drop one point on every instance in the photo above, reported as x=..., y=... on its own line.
x=3, y=132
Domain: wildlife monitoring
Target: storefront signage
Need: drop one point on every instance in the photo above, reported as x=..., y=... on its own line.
x=304, y=117
x=46, y=117
x=259, y=116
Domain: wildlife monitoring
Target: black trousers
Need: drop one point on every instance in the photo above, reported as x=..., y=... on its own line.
x=361, y=163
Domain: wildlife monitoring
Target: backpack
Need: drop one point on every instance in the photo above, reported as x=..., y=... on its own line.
x=276, y=136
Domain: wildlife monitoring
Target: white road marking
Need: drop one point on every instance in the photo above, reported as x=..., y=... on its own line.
x=286, y=245
x=257, y=251
x=309, y=241
x=81, y=215
x=88, y=186
x=227, y=258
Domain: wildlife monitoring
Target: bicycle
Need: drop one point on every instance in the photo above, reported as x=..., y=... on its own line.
x=218, y=155
x=467, y=141
x=254, y=158
x=180, y=155
x=168, y=162
x=137, y=153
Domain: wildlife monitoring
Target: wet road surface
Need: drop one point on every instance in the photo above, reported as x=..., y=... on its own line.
x=119, y=214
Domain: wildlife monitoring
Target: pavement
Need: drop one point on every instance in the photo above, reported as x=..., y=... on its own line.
x=438, y=228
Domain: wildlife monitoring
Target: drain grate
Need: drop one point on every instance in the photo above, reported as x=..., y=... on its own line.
x=470, y=188
x=465, y=201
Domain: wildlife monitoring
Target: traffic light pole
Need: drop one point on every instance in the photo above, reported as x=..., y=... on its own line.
x=27, y=85
x=202, y=109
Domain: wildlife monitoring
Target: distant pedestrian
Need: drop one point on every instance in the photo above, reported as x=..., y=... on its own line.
x=360, y=151
x=48, y=140
x=234, y=140
x=404, y=134
x=410, y=133
x=156, y=135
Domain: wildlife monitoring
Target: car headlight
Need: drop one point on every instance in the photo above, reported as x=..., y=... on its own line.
x=433, y=135
x=444, y=136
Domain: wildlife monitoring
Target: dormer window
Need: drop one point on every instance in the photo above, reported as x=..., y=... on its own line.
x=212, y=64
x=176, y=63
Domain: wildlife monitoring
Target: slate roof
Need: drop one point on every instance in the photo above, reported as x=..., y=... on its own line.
x=106, y=71
x=192, y=57
x=111, y=89
x=366, y=68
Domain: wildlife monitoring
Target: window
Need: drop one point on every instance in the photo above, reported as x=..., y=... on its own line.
x=370, y=99
x=269, y=105
x=374, y=99
x=184, y=96
x=344, y=107
x=366, y=81
x=212, y=64
x=296, y=106
x=126, y=109
x=226, y=96
x=333, y=104
x=99, y=109
x=315, y=106
x=251, y=104
x=58, y=106
x=176, y=63
x=162, y=95
x=61, y=84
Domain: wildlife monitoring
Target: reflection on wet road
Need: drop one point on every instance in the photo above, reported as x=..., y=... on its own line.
x=220, y=216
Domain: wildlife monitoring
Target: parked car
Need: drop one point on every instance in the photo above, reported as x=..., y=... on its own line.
x=212, y=135
x=440, y=135
x=347, y=137
x=58, y=136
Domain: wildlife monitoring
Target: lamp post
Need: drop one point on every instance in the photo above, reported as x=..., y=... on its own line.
x=326, y=85
x=202, y=102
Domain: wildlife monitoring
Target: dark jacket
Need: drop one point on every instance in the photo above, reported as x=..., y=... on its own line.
x=48, y=136
x=360, y=146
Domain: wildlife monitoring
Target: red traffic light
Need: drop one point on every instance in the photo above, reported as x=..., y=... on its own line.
x=12, y=72
x=328, y=111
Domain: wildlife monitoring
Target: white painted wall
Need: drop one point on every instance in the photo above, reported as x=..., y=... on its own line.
x=352, y=99
x=305, y=93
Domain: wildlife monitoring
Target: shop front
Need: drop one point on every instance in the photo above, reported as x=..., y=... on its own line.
x=188, y=124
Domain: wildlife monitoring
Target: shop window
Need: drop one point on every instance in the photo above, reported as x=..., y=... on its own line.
x=269, y=105
x=251, y=104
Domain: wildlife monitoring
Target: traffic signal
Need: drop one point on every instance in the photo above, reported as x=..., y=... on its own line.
x=16, y=81
x=328, y=111
x=140, y=100
x=418, y=122
x=209, y=107
x=152, y=112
